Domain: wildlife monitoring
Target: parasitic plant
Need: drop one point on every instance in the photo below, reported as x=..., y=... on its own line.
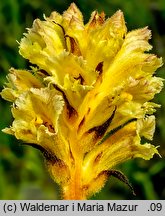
x=85, y=102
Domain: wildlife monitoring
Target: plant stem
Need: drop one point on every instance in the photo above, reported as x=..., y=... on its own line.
x=74, y=189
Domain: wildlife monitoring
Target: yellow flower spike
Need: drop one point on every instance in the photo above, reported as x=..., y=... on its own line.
x=86, y=103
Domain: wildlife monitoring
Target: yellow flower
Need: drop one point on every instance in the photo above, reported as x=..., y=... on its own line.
x=85, y=103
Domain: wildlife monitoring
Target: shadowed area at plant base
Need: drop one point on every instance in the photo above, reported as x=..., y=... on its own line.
x=22, y=173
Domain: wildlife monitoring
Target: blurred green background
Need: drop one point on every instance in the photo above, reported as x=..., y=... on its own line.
x=22, y=171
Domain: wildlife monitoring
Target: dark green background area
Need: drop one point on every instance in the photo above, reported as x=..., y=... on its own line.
x=22, y=171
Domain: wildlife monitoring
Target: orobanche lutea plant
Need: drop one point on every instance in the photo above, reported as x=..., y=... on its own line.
x=85, y=101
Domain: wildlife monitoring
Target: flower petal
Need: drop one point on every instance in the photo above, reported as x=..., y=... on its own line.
x=120, y=147
x=19, y=81
x=44, y=39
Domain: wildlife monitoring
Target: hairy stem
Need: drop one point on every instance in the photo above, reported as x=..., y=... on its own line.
x=74, y=188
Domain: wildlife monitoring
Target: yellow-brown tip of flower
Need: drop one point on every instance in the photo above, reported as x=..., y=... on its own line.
x=118, y=20
x=96, y=20
x=73, y=13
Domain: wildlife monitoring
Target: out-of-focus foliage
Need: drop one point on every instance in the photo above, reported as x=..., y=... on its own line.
x=22, y=172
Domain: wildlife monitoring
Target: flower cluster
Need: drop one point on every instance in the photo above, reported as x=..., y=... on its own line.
x=85, y=101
